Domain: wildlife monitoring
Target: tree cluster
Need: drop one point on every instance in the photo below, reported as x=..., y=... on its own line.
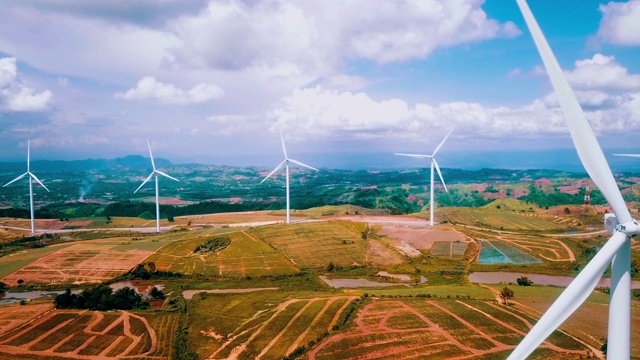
x=101, y=297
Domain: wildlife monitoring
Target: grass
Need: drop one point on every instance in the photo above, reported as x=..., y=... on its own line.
x=318, y=243
x=256, y=319
x=508, y=220
x=245, y=256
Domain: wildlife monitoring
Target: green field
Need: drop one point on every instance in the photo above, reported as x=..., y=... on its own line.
x=245, y=256
x=508, y=220
x=268, y=324
x=315, y=244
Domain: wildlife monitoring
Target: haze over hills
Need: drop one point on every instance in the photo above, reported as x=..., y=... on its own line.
x=557, y=159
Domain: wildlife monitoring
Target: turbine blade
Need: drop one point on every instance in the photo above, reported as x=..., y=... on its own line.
x=442, y=142
x=584, y=140
x=144, y=182
x=303, y=164
x=628, y=155
x=420, y=156
x=571, y=298
x=16, y=179
x=153, y=164
x=38, y=180
x=166, y=175
x=273, y=171
x=284, y=149
x=439, y=173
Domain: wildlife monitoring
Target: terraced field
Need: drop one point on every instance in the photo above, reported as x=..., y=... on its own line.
x=439, y=329
x=245, y=256
x=314, y=244
x=81, y=334
x=258, y=326
x=508, y=220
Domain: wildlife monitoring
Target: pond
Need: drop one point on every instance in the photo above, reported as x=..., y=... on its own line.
x=353, y=283
x=494, y=277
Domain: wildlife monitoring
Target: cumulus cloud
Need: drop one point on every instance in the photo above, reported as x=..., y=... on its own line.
x=619, y=23
x=15, y=95
x=314, y=37
x=604, y=73
x=330, y=112
x=150, y=88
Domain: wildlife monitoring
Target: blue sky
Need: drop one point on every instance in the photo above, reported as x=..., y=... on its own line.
x=215, y=81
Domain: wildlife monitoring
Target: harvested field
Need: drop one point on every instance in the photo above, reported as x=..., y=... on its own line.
x=253, y=327
x=231, y=218
x=410, y=240
x=381, y=254
x=14, y=315
x=81, y=334
x=439, y=329
x=245, y=256
x=86, y=262
x=316, y=244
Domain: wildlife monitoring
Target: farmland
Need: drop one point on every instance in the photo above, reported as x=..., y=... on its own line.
x=310, y=244
x=262, y=325
x=245, y=256
x=441, y=329
x=509, y=220
x=86, y=334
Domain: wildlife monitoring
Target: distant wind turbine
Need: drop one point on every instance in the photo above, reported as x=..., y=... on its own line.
x=285, y=163
x=434, y=164
x=616, y=251
x=155, y=172
x=31, y=176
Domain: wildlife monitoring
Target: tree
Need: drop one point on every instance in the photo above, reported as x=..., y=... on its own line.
x=524, y=281
x=331, y=267
x=156, y=294
x=506, y=294
x=3, y=287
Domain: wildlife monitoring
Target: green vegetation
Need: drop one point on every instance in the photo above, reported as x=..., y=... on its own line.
x=213, y=245
x=101, y=297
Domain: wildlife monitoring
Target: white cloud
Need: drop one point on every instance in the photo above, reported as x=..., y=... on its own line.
x=333, y=113
x=310, y=37
x=619, y=23
x=603, y=73
x=149, y=88
x=15, y=95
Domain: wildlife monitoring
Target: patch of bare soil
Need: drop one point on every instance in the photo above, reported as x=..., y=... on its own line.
x=410, y=240
x=379, y=254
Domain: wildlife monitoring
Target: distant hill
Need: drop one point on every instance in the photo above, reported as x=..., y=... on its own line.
x=129, y=162
x=508, y=204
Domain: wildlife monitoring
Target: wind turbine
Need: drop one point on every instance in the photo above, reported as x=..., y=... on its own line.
x=155, y=172
x=617, y=250
x=31, y=176
x=434, y=164
x=285, y=163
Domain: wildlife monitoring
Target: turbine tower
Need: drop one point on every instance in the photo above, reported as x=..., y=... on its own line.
x=155, y=172
x=285, y=163
x=616, y=251
x=434, y=164
x=31, y=176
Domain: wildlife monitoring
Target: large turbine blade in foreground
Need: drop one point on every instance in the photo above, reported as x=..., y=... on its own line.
x=285, y=163
x=618, y=247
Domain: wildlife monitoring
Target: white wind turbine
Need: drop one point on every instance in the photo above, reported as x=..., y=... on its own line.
x=285, y=163
x=155, y=172
x=434, y=164
x=616, y=251
x=31, y=176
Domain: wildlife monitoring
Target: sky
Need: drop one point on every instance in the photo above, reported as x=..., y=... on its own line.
x=216, y=81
